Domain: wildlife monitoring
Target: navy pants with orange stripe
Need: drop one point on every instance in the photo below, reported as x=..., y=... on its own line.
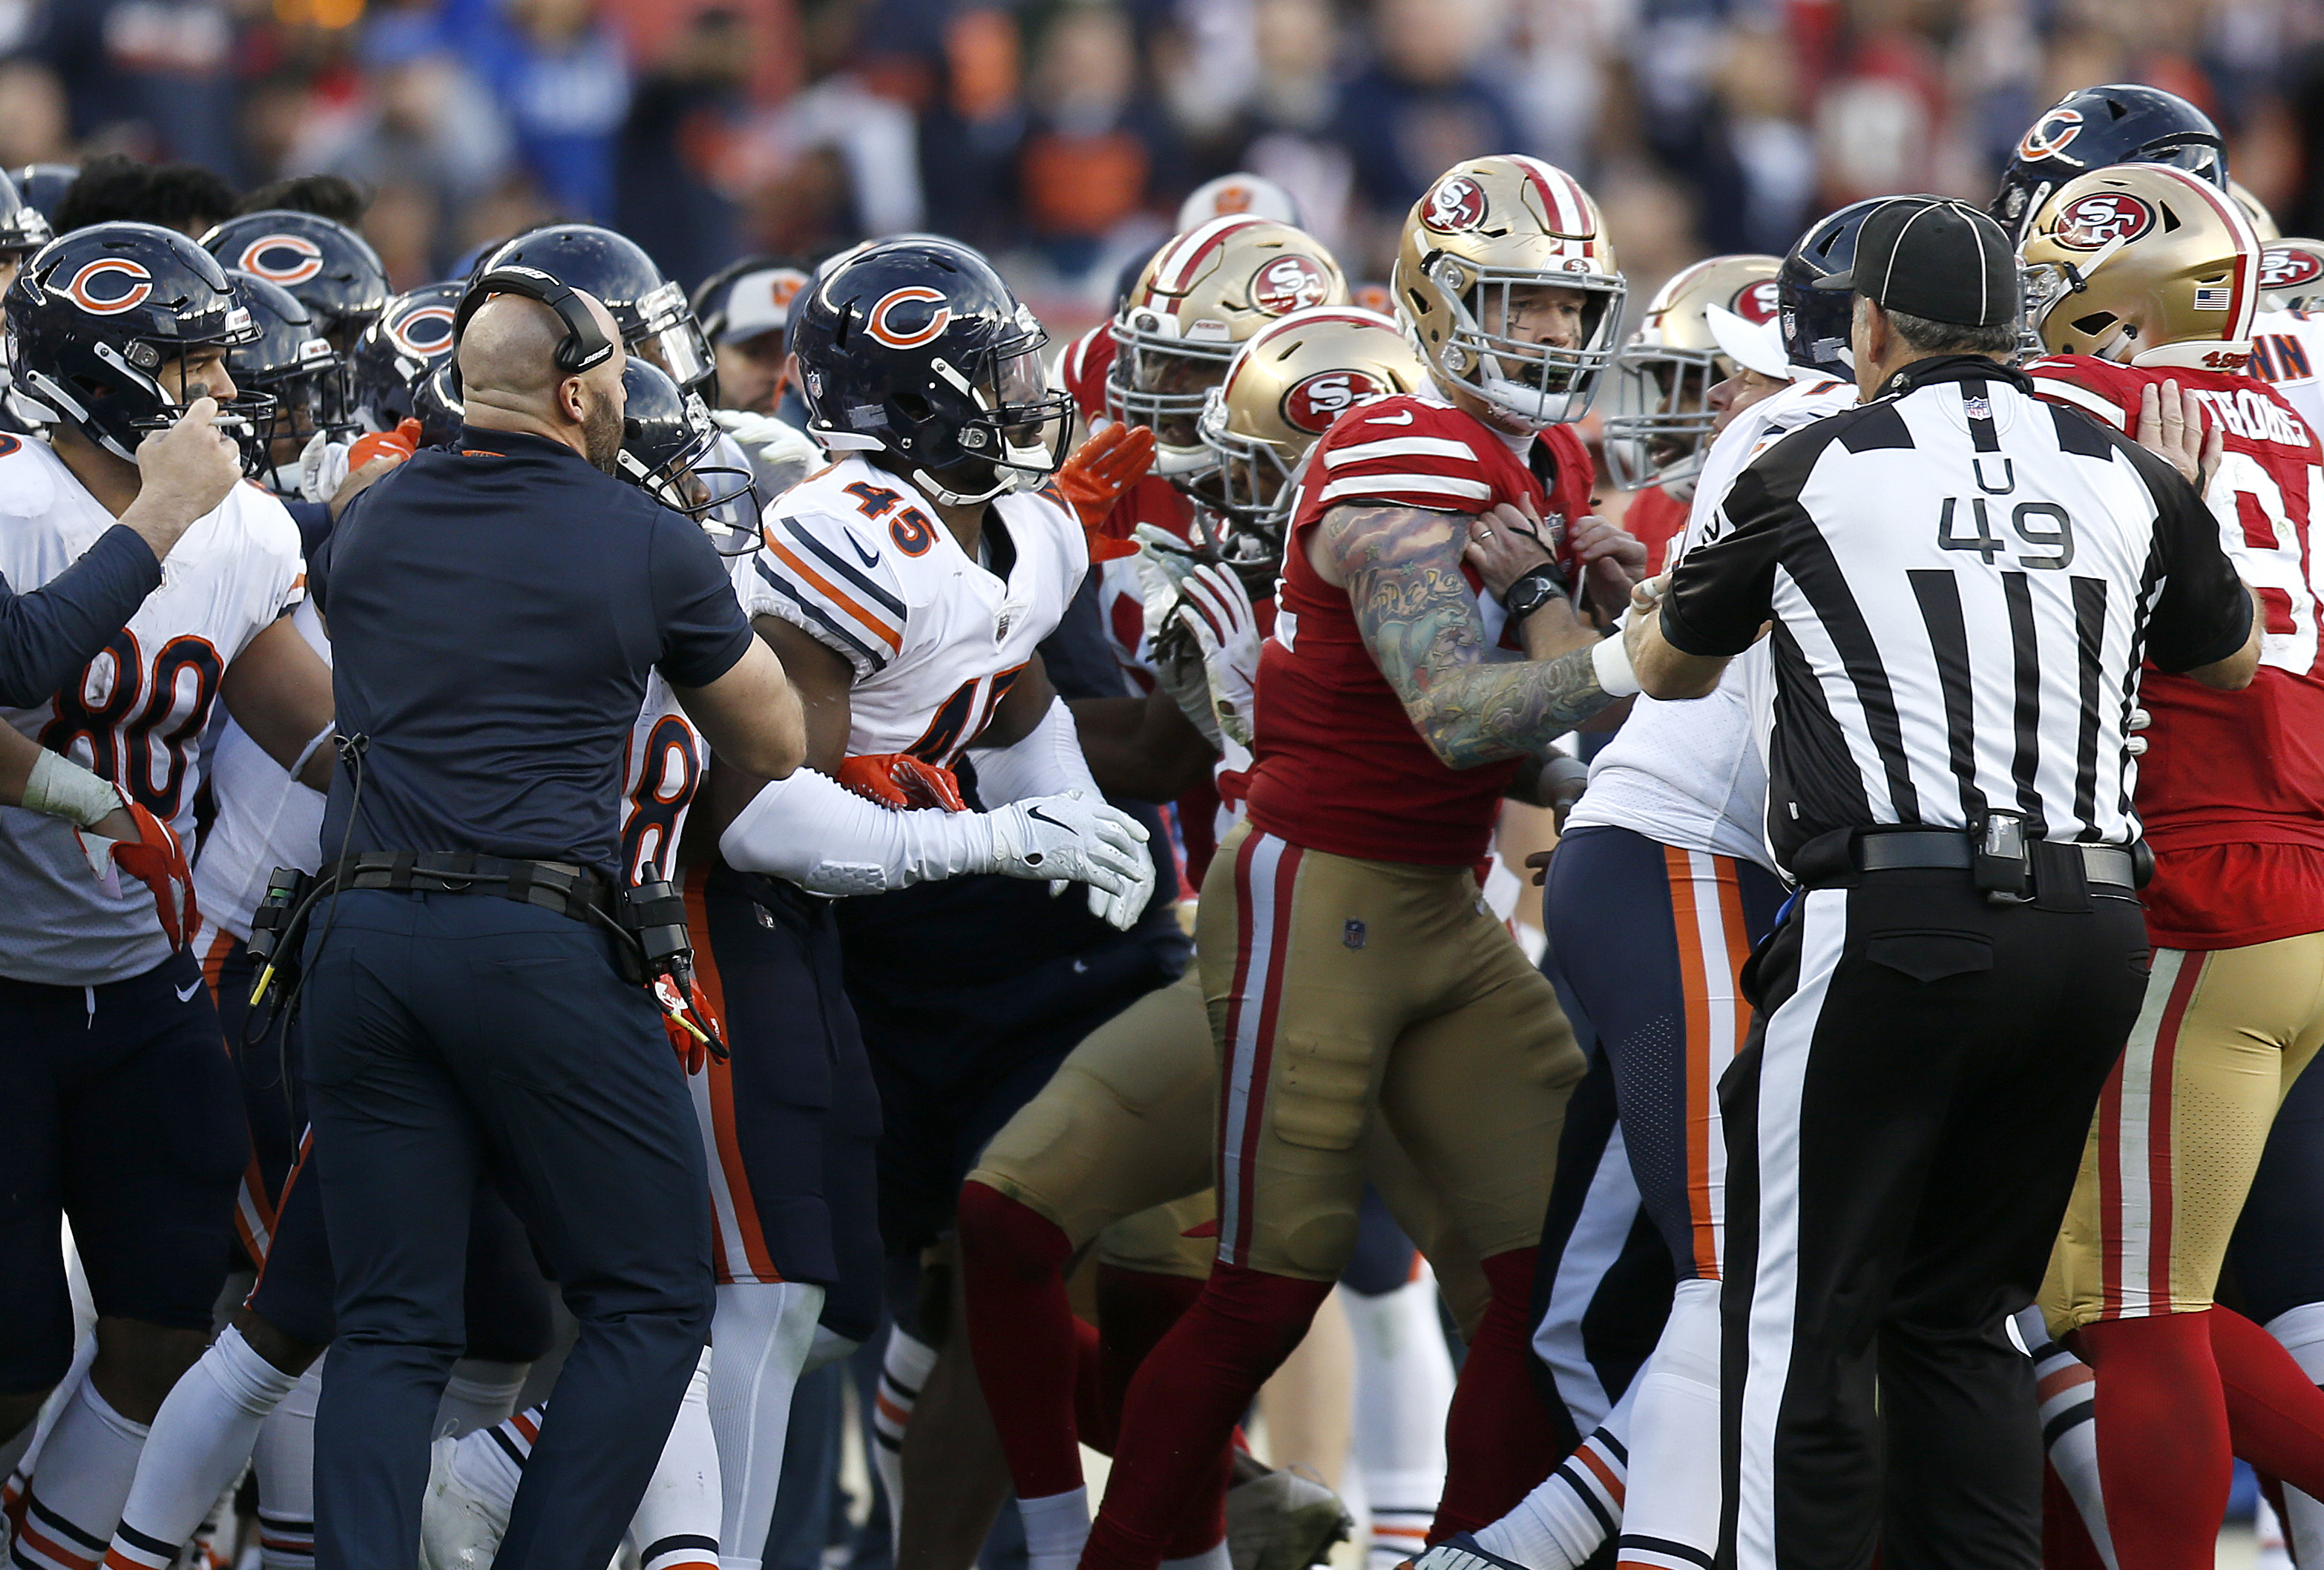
x=1651, y=938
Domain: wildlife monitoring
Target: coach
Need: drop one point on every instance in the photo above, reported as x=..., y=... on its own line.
x=1962, y=581
x=494, y=609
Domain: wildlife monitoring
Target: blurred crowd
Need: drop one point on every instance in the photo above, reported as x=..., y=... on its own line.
x=1060, y=135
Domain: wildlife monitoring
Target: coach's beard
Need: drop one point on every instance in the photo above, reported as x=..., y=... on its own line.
x=601, y=433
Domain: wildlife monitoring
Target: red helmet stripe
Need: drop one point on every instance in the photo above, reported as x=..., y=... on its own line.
x=1174, y=268
x=2241, y=304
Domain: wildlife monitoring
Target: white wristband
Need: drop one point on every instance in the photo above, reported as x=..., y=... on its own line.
x=62, y=789
x=1611, y=661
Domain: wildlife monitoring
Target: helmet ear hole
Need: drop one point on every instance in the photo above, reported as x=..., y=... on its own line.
x=912, y=406
x=2095, y=323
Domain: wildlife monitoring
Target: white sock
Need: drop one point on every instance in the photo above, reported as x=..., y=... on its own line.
x=2066, y=1391
x=677, y=1524
x=903, y=1370
x=828, y=1347
x=1403, y=1389
x=763, y=1333
x=1056, y=1525
x=2301, y=1332
x=489, y=1463
x=1575, y=1508
x=1213, y=1558
x=28, y=1456
x=478, y=1395
x=85, y=1471
x=284, y=1460
x=1673, y=1492
x=200, y=1442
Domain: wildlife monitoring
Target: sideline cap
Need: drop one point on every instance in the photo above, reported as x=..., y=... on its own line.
x=1933, y=257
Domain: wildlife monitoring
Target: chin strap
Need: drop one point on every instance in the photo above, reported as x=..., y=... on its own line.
x=1004, y=482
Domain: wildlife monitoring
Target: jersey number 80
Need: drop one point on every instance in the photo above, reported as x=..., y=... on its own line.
x=141, y=723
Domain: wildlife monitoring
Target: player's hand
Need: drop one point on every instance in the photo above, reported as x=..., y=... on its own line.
x=781, y=454
x=1217, y=613
x=369, y=457
x=2133, y=742
x=2171, y=424
x=1612, y=561
x=1110, y=460
x=695, y=1034
x=183, y=473
x=133, y=841
x=1539, y=862
x=1068, y=836
x=902, y=781
x=1506, y=543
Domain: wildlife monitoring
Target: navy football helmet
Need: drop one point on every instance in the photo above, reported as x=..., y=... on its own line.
x=915, y=346
x=656, y=321
x=2119, y=123
x=1815, y=321
x=296, y=366
x=96, y=314
x=333, y=270
x=671, y=450
x=412, y=337
x=41, y=186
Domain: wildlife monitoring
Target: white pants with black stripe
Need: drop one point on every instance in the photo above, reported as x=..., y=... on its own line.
x=1904, y=1130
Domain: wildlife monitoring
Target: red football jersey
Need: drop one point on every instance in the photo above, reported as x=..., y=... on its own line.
x=1340, y=767
x=2231, y=789
x=1657, y=517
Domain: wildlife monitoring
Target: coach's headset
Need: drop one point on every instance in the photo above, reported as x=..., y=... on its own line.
x=585, y=345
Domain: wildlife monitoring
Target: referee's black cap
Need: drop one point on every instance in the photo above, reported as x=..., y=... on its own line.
x=1931, y=256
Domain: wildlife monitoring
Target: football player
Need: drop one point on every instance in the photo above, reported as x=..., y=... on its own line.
x=2115, y=123
x=1345, y=955
x=136, y=1131
x=1661, y=886
x=2143, y=284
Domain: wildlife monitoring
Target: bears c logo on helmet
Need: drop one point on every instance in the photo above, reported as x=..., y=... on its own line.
x=2052, y=134
x=2287, y=266
x=1312, y=404
x=902, y=338
x=1456, y=203
x=283, y=259
x=1288, y=283
x=1755, y=302
x=2096, y=221
x=83, y=289
x=424, y=332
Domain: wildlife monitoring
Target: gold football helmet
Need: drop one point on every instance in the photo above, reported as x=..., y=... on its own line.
x=2145, y=264
x=2291, y=275
x=2263, y=221
x=1662, y=416
x=1283, y=390
x=1487, y=229
x=1203, y=293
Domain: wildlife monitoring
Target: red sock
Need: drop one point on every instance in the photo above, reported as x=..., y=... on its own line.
x=2065, y=1542
x=2163, y=1457
x=1095, y=1423
x=1022, y=1334
x=1500, y=1438
x=1135, y=1311
x=2275, y=1416
x=1185, y=1403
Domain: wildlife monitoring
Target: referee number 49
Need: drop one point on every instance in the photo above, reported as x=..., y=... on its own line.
x=2045, y=535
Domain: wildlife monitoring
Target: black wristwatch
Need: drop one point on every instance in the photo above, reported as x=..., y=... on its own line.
x=1535, y=589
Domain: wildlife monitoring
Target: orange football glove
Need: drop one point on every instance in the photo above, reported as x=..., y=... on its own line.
x=1101, y=469
x=156, y=859
x=902, y=781
x=398, y=444
x=695, y=1033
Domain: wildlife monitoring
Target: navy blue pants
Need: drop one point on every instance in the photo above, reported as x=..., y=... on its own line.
x=273, y=1098
x=450, y=1034
x=2274, y=1259
x=119, y=1109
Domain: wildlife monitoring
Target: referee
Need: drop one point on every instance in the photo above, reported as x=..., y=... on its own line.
x=1962, y=582
x=494, y=609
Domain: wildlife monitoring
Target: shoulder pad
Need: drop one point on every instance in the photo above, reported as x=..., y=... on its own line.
x=28, y=479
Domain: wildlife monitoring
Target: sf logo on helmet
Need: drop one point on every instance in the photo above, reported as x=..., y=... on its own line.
x=1456, y=203
x=283, y=259
x=1313, y=404
x=94, y=287
x=1755, y=302
x=422, y=333
x=899, y=336
x=2102, y=219
x=2286, y=266
x=2052, y=134
x=1288, y=283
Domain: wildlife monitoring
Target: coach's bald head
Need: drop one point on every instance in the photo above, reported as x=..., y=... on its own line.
x=509, y=379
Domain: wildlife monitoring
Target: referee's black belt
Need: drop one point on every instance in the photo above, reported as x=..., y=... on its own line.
x=2109, y=864
x=558, y=886
x=2057, y=874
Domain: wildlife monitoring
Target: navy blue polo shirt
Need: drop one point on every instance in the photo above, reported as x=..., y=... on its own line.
x=494, y=607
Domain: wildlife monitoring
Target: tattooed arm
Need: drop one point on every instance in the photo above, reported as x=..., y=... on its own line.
x=1470, y=703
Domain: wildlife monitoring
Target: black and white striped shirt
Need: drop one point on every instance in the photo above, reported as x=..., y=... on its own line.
x=1963, y=580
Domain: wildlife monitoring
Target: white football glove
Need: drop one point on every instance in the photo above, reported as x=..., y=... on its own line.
x=1218, y=613
x=322, y=468
x=1163, y=566
x=781, y=454
x=1067, y=838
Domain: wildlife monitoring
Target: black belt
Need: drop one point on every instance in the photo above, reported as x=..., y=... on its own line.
x=558, y=886
x=2112, y=865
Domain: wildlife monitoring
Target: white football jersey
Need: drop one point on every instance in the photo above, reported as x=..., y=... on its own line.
x=2288, y=351
x=137, y=712
x=265, y=818
x=857, y=558
x=661, y=774
x=1693, y=774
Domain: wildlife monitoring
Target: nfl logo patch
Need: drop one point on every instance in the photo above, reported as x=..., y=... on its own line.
x=1352, y=934
x=2213, y=297
x=1979, y=408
